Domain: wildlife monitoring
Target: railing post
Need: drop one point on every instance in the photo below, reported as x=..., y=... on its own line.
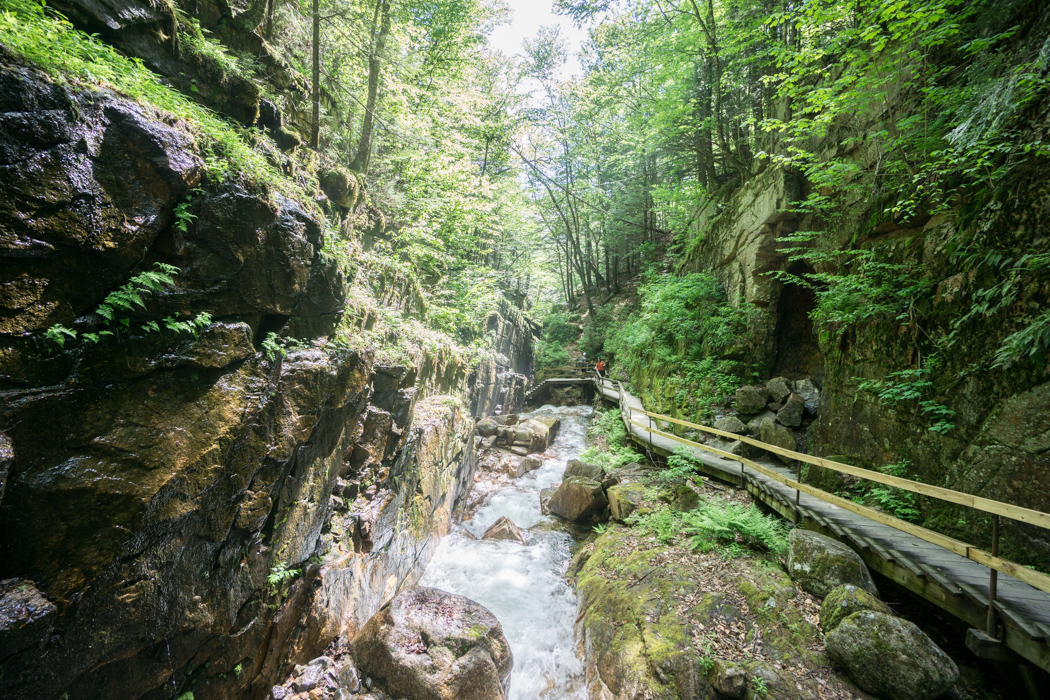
x=798, y=478
x=993, y=579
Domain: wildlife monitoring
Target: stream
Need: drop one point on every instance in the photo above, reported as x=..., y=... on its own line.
x=524, y=586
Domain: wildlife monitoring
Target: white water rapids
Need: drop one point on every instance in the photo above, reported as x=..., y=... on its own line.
x=524, y=586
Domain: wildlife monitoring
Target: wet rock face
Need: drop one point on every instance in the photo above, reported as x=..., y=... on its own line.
x=891, y=657
x=431, y=645
x=820, y=564
x=154, y=484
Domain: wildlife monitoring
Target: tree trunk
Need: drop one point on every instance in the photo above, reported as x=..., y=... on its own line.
x=375, y=59
x=315, y=127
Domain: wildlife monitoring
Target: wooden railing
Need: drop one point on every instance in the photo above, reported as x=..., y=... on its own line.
x=997, y=509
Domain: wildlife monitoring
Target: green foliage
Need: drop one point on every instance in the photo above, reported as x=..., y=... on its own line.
x=725, y=522
x=1032, y=342
x=680, y=466
x=272, y=347
x=907, y=386
x=716, y=523
x=58, y=333
x=558, y=328
x=898, y=503
x=133, y=293
x=281, y=575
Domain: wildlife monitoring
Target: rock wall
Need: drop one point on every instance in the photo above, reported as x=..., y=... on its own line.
x=998, y=446
x=502, y=376
x=187, y=512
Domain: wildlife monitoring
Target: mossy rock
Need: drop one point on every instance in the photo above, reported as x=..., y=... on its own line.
x=341, y=186
x=820, y=564
x=843, y=602
x=624, y=499
x=891, y=657
x=634, y=639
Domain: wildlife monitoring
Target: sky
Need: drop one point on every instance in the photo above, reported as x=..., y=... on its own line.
x=529, y=16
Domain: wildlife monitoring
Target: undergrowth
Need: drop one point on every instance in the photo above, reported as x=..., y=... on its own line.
x=716, y=523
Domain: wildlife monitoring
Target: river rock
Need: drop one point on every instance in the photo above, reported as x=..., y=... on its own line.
x=427, y=644
x=891, y=657
x=791, y=414
x=545, y=498
x=487, y=428
x=845, y=600
x=624, y=499
x=577, y=499
x=504, y=529
x=777, y=435
x=751, y=399
x=531, y=463
x=582, y=469
x=779, y=388
x=810, y=393
x=820, y=564
x=534, y=434
x=730, y=424
x=511, y=466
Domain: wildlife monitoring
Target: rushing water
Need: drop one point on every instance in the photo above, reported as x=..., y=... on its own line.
x=524, y=586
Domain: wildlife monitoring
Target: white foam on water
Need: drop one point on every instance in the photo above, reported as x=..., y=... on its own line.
x=524, y=586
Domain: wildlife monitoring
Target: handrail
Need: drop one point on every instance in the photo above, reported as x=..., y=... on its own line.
x=1007, y=510
x=990, y=560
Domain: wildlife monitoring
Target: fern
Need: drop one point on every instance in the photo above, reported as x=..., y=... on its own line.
x=58, y=333
x=1032, y=341
x=272, y=348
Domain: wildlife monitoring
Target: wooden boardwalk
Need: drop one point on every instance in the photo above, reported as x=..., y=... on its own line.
x=956, y=584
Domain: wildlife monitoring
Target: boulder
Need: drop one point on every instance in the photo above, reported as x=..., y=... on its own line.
x=777, y=435
x=751, y=399
x=545, y=498
x=577, y=499
x=754, y=425
x=734, y=447
x=487, y=428
x=681, y=498
x=582, y=469
x=348, y=677
x=731, y=424
x=427, y=644
x=534, y=434
x=519, y=450
x=310, y=676
x=843, y=602
x=891, y=657
x=774, y=406
x=531, y=463
x=511, y=466
x=729, y=678
x=791, y=414
x=820, y=564
x=624, y=499
x=778, y=388
x=810, y=393
x=504, y=529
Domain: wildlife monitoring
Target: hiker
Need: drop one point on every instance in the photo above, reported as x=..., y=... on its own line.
x=600, y=368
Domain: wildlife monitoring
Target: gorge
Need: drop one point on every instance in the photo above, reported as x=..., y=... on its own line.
x=281, y=284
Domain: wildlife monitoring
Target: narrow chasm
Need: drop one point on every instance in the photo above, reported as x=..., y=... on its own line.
x=523, y=581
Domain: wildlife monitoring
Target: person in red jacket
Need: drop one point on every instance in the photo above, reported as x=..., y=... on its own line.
x=600, y=367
